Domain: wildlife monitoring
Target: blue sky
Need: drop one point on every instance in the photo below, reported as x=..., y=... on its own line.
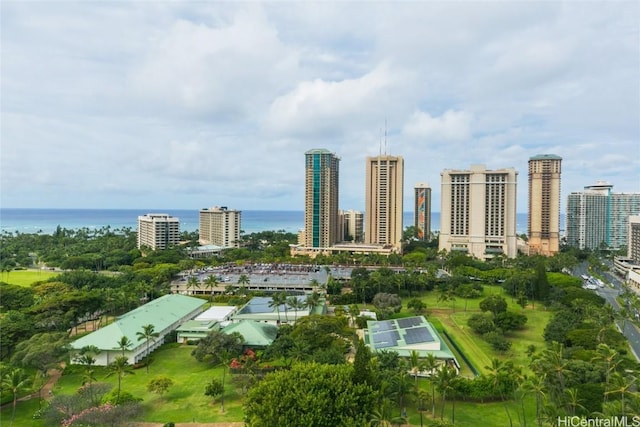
x=184, y=105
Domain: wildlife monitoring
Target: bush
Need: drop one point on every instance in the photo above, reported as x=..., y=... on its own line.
x=498, y=341
x=481, y=323
x=171, y=424
x=508, y=320
x=125, y=397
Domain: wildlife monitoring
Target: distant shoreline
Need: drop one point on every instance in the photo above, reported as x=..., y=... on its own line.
x=46, y=220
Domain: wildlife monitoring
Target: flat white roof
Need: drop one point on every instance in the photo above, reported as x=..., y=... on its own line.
x=217, y=312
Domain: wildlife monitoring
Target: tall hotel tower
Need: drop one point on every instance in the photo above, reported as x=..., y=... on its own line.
x=220, y=226
x=321, y=226
x=422, y=209
x=544, y=204
x=158, y=231
x=478, y=212
x=383, y=201
x=599, y=216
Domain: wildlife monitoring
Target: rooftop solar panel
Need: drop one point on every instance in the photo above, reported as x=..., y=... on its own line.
x=385, y=325
x=386, y=339
x=416, y=335
x=409, y=322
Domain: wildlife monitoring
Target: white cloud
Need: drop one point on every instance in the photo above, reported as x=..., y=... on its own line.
x=450, y=126
x=189, y=104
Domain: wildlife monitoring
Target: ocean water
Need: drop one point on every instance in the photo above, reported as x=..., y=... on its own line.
x=47, y=220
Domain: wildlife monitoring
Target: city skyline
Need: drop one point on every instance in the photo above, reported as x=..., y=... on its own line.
x=156, y=106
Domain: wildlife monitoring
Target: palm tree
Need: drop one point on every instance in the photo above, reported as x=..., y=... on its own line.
x=498, y=377
x=243, y=279
x=415, y=364
x=312, y=300
x=445, y=380
x=382, y=417
x=193, y=283
x=537, y=385
x=85, y=357
x=124, y=344
x=277, y=299
x=210, y=283
x=622, y=385
x=573, y=401
x=120, y=367
x=296, y=305
x=149, y=334
x=401, y=387
x=608, y=357
x=430, y=365
x=15, y=381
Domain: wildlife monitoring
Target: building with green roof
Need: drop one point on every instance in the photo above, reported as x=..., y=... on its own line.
x=166, y=314
x=255, y=334
x=406, y=335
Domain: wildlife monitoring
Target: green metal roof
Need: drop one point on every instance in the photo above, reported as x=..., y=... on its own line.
x=258, y=334
x=162, y=313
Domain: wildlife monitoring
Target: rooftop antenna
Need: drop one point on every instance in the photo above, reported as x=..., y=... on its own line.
x=385, y=136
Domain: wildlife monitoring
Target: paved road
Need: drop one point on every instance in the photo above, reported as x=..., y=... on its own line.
x=609, y=293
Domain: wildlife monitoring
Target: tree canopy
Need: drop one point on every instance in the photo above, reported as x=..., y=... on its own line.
x=310, y=395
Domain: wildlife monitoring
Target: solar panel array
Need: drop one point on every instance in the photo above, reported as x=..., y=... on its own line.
x=409, y=322
x=416, y=335
x=385, y=325
x=386, y=333
x=386, y=339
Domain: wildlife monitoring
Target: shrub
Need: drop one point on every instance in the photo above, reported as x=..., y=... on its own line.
x=481, y=323
x=498, y=341
x=125, y=397
x=508, y=320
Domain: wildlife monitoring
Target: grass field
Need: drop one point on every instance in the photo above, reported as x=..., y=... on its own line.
x=454, y=319
x=184, y=401
x=26, y=277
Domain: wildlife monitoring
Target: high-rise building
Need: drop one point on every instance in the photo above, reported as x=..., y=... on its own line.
x=597, y=216
x=383, y=201
x=158, y=231
x=478, y=212
x=220, y=226
x=422, y=211
x=352, y=226
x=633, y=246
x=544, y=204
x=321, y=227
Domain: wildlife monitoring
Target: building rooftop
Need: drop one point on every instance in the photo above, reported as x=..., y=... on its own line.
x=406, y=335
x=546, y=157
x=161, y=313
x=255, y=334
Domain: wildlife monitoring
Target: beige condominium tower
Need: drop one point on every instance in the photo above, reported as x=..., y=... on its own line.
x=383, y=201
x=219, y=226
x=544, y=204
x=478, y=212
x=321, y=226
x=158, y=231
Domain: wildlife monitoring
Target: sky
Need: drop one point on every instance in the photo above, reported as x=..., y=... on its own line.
x=190, y=104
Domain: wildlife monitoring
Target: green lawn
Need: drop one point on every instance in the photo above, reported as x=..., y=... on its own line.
x=184, y=401
x=454, y=319
x=26, y=277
